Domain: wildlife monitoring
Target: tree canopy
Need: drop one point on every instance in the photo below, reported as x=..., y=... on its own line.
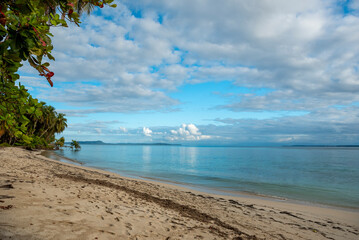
x=25, y=36
x=25, y=31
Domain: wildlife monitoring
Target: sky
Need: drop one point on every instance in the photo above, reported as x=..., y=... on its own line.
x=208, y=72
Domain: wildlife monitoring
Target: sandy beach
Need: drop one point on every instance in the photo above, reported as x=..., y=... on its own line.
x=42, y=198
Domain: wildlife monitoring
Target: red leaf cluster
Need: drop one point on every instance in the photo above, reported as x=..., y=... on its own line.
x=37, y=34
x=2, y=18
x=48, y=75
x=100, y=4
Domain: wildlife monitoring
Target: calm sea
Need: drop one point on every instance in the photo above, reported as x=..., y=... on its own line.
x=317, y=175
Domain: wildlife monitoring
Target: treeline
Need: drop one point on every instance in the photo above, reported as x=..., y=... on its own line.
x=27, y=122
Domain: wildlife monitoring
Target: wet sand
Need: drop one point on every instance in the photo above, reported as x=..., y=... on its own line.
x=42, y=198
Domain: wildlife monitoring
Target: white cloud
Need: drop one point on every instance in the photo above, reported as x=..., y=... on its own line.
x=147, y=132
x=354, y=4
x=336, y=125
x=187, y=133
x=123, y=129
x=306, y=52
x=131, y=64
x=324, y=126
x=193, y=129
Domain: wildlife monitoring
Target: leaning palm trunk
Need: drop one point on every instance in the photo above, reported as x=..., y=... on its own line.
x=34, y=128
x=51, y=127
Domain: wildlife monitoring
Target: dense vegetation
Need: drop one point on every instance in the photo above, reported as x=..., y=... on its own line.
x=26, y=121
x=25, y=36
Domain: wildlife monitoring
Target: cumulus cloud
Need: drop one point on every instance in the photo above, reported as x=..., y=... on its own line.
x=102, y=66
x=307, y=49
x=187, y=133
x=147, y=132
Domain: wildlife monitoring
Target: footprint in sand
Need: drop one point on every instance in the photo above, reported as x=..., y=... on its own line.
x=129, y=226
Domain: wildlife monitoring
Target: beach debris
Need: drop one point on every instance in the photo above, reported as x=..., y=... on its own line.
x=234, y=202
x=237, y=238
x=7, y=186
x=289, y=214
x=6, y=207
x=6, y=196
x=109, y=210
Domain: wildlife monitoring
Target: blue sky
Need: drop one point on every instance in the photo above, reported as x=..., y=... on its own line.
x=230, y=72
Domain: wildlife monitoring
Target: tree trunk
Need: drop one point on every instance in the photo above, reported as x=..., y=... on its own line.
x=33, y=131
x=53, y=125
x=2, y=131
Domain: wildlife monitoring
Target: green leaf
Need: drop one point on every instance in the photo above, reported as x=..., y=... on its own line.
x=23, y=128
x=31, y=110
x=50, y=56
x=38, y=113
x=16, y=76
x=27, y=139
x=2, y=29
x=18, y=134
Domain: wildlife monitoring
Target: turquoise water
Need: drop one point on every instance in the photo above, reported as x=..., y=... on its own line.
x=318, y=175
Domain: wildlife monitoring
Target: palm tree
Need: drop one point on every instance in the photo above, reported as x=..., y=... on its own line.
x=48, y=120
x=75, y=144
x=60, y=142
x=81, y=6
x=61, y=123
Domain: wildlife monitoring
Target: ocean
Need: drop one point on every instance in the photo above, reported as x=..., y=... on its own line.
x=318, y=175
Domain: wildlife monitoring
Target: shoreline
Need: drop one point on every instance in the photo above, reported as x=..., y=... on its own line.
x=249, y=195
x=203, y=189
x=91, y=203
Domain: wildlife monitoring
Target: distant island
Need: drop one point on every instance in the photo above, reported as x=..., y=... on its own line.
x=347, y=146
x=103, y=143
x=98, y=142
